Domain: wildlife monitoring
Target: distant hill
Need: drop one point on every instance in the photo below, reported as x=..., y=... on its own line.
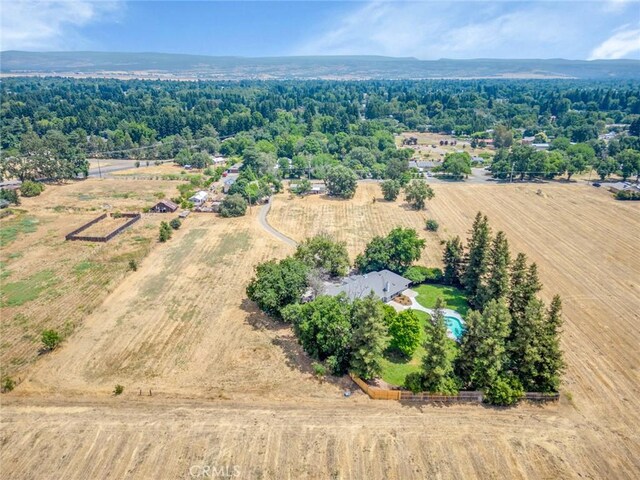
x=178, y=66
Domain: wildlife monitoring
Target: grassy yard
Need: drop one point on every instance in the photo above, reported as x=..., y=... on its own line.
x=454, y=298
x=396, y=367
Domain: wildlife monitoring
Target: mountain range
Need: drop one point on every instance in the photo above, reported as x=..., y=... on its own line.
x=193, y=67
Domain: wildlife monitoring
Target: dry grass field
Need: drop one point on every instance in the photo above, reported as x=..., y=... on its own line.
x=429, y=147
x=232, y=388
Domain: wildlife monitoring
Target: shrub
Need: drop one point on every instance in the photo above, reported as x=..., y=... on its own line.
x=31, y=189
x=50, y=339
x=175, y=223
x=165, y=232
x=10, y=196
x=137, y=164
x=7, y=384
x=118, y=389
x=627, y=195
x=432, y=225
x=504, y=391
x=319, y=370
x=420, y=274
x=404, y=329
x=414, y=382
x=133, y=265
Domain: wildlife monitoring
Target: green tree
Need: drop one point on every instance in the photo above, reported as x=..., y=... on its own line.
x=302, y=187
x=404, y=329
x=164, y=232
x=369, y=338
x=417, y=192
x=341, y=182
x=525, y=285
x=552, y=364
x=477, y=259
x=606, y=167
x=390, y=190
x=498, y=268
x=395, y=252
x=175, y=223
x=453, y=259
x=629, y=161
x=438, y=359
x=490, y=359
x=50, y=339
x=278, y=284
x=457, y=164
x=233, y=205
x=324, y=329
x=580, y=156
x=502, y=137
x=324, y=253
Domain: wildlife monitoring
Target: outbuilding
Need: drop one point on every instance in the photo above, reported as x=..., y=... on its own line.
x=199, y=198
x=164, y=206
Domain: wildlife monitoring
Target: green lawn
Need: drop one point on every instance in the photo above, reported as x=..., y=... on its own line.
x=454, y=298
x=395, y=368
x=17, y=293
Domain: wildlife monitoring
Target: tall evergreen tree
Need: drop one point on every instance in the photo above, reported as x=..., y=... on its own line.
x=453, y=258
x=490, y=361
x=437, y=361
x=517, y=298
x=468, y=348
x=552, y=362
x=525, y=350
x=369, y=338
x=476, y=264
x=499, y=260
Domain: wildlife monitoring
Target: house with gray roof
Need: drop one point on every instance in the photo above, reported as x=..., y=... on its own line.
x=384, y=284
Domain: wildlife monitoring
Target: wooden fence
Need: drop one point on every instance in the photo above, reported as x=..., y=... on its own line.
x=376, y=393
x=134, y=217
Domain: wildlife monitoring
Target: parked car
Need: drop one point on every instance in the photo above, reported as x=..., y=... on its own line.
x=596, y=184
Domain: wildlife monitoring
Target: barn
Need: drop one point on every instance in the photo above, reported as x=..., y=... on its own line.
x=164, y=206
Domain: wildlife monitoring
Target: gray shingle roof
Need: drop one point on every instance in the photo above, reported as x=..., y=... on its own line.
x=384, y=284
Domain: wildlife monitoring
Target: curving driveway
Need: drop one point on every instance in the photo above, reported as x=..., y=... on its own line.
x=262, y=218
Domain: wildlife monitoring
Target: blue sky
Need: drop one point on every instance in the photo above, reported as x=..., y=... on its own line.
x=425, y=29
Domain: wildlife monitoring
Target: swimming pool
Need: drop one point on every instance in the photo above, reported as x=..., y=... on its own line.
x=455, y=326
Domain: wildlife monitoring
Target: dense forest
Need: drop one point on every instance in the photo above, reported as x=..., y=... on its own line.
x=50, y=126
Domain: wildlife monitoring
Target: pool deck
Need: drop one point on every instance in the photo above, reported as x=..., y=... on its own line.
x=412, y=294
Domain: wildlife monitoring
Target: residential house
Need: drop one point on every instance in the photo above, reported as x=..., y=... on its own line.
x=385, y=284
x=199, y=198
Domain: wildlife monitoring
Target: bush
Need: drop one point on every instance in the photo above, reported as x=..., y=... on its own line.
x=165, y=232
x=137, y=164
x=118, y=389
x=504, y=391
x=432, y=225
x=31, y=189
x=420, y=274
x=175, y=223
x=7, y=384
x=627, y=195
x=50, y=339
x=319, y=370
x=233, y=206
x=10, y=196
x=404, y=330
x=414, y=382
x=133, y=265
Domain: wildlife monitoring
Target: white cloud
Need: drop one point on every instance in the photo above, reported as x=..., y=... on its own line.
x=50, y=25
x=621, y=44
x=440, y=29
x=469, y=29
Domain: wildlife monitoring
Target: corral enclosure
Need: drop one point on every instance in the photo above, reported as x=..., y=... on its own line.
x=231, y=386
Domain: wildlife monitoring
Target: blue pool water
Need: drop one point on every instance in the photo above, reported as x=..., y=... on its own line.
x=455, y=326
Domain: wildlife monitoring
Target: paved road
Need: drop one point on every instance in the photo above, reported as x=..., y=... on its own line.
x=264, y=211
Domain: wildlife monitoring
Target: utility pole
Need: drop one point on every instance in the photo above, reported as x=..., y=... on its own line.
x=512, y=166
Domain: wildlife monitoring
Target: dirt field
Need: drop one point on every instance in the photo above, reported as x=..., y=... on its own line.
x=232, y=388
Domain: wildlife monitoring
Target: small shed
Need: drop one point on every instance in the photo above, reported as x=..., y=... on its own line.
x=184, y=214
x=164, y=206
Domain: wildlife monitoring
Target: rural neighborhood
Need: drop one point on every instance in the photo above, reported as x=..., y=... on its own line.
x=316, y=266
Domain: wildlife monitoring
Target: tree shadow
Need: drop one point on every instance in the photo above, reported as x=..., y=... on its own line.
x=260, y=320
x=396, y=356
